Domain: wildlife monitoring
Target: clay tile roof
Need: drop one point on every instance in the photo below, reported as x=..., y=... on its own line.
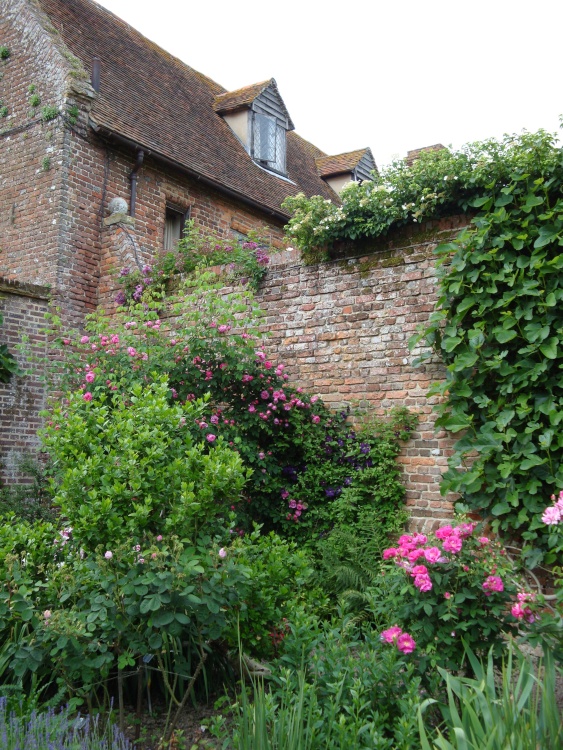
x=413, y=155
x=331, y=165
x=156, y=101
x=244, y=97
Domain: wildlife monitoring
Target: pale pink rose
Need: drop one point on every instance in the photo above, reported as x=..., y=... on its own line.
x=85, y=340
x=90, y=377
x=131, y=351
x=108, y=555
x=222, y=552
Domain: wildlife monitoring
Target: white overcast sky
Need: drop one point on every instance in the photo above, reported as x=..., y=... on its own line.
x=390, y=74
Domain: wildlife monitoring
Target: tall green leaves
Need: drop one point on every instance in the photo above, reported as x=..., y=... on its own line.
x=499, y=330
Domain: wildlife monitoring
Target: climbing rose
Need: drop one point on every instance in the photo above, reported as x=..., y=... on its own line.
x=493, y=583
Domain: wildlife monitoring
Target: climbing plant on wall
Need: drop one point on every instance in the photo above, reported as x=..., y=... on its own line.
x=8, y=364
x=499, y=322
x=499, y=330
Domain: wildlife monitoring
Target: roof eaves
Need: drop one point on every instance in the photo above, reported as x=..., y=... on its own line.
x=113, y=135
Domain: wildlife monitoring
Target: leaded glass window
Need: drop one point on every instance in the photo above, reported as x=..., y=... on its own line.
x=269, y=142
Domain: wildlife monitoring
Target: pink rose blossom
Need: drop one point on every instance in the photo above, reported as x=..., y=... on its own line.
x=222, y=552
x=493, y=583
x=390, y=552
x=108, y=555
x=131, y=351
x=420, y=539
x=432, y=554
x=415, y=554
x=251, y=409
x=85, y=340
x=87, y=396
x=419, y=570
x=444, y=532
x=552, y=515
x=447, y=595
x=47, y=614
x=483, y=541
x=159, y=538
x=115, y=339
x=453, y=544
x=406, y=643
x=211, y=437
x=391, y=634
x=423, y=582
x=315, y=418
x=90, y=377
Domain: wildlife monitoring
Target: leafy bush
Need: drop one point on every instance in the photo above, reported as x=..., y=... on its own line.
x=246, y=262
x=279, y=578
x=437, y=183
x=8, y=364
x=129, y=464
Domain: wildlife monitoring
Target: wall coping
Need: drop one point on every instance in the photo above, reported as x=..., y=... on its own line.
x=24, y=289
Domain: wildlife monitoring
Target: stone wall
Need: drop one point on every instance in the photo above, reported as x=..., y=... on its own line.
x=23, y=307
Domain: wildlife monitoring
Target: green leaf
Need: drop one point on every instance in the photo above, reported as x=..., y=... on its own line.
x=549, y=348
x=503, y=336
x=162, y=618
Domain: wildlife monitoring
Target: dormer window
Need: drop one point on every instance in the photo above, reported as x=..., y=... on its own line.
x=259, y=119
x=353, y=166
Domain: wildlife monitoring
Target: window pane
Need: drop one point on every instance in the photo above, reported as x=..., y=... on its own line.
x=265, y=138
x=280, y=149
x=173, y=226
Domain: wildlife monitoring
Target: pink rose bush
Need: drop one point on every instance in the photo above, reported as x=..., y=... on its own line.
x=459, y=584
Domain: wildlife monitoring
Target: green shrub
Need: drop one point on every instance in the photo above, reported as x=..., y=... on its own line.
x=279, y=581
x=131, y=464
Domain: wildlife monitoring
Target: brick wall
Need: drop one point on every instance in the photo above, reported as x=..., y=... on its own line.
x=342, y=328
x=156, y=187
x=23, y=307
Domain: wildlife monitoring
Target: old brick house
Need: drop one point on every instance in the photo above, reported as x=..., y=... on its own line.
x=92, y=111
